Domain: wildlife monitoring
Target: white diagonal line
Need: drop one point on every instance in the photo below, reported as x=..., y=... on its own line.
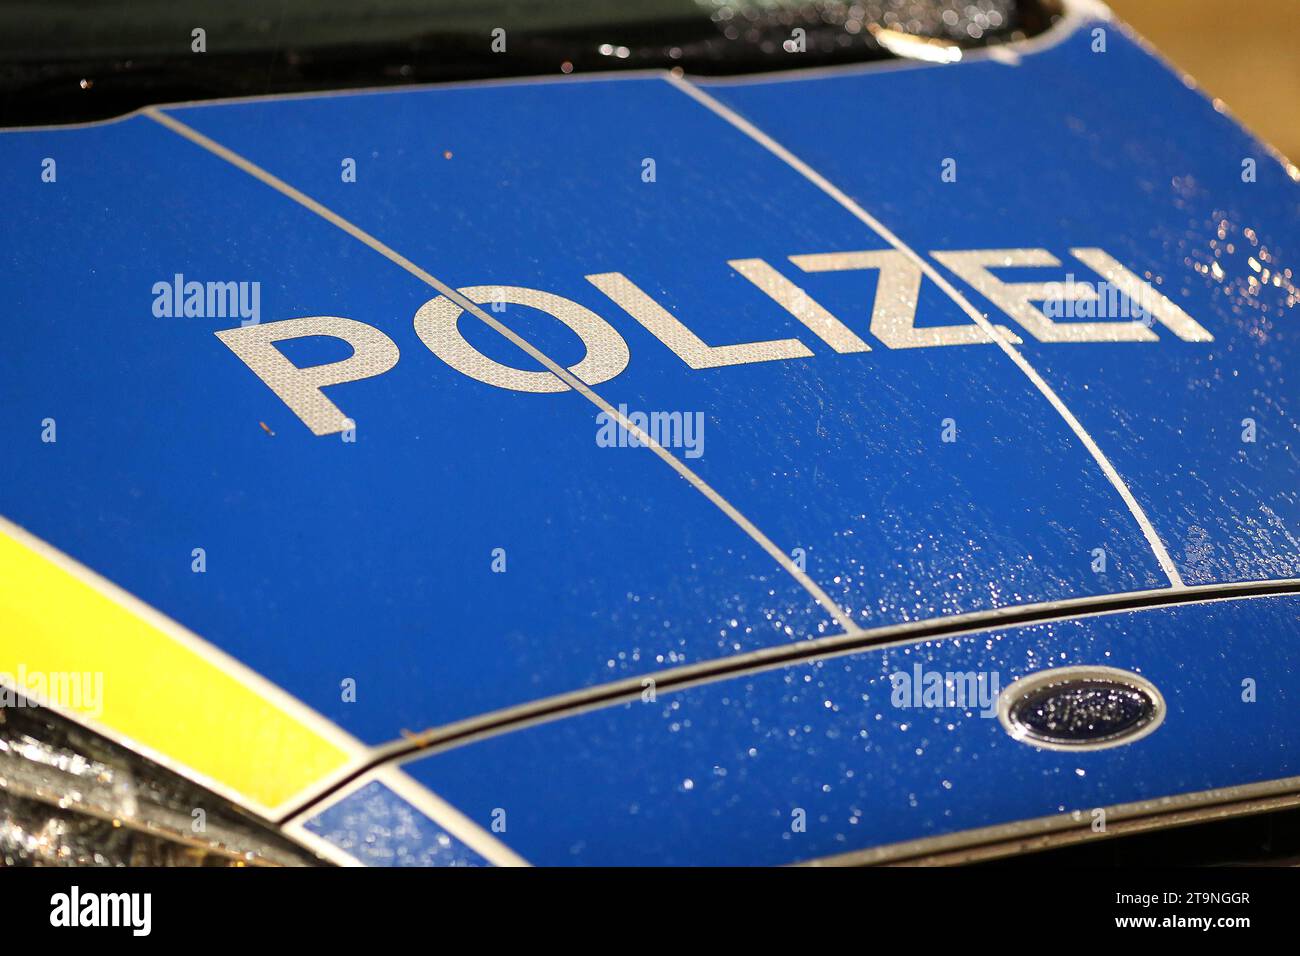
x=814, y=177
x=356, y=232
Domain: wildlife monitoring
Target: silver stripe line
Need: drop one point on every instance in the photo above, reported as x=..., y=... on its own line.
x=841, y=617
x=810, y=174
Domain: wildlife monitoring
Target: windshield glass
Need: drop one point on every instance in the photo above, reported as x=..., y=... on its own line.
x=71, y=60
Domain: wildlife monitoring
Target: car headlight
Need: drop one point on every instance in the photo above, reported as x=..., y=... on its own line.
x=72, y=797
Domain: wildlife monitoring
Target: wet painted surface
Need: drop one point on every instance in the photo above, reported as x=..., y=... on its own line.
x=328, y=561
x=1057, y=153
x=378, y=828
x=726, y=773
x=838, y=455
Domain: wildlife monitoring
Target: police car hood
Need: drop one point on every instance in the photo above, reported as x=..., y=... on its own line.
x=696, y=407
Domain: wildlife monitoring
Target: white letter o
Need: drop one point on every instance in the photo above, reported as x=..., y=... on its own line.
x=436, y=325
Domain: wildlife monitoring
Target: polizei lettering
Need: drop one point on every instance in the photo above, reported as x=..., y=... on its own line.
x=1033, y=306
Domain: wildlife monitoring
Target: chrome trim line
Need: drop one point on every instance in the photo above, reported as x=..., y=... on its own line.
x=671, y=680
x=1074, y=827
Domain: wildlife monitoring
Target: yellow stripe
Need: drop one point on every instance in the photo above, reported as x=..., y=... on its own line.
x=158, y=690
